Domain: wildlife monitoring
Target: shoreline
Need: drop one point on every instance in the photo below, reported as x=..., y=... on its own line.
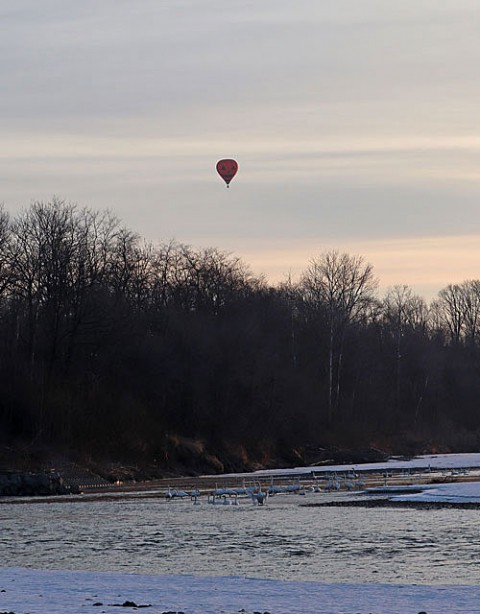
x=156, y=491
x=419, y=505
x=454, y=481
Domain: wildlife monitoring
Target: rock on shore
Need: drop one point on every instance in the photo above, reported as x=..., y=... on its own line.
x=15, y=483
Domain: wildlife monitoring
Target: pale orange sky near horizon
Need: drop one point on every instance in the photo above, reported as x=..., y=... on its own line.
x=424, y=263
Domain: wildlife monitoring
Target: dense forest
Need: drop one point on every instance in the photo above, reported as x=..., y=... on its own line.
x=114, y=348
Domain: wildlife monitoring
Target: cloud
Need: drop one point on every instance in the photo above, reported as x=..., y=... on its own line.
x=353, y=123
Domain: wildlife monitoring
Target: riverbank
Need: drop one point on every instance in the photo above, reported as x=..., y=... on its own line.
x=185, y=462
x=439, y=471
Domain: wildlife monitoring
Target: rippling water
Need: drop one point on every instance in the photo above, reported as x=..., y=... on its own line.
x=284, y=539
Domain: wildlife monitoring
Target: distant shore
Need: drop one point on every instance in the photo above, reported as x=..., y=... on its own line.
x=419, y=505
x=383, y=479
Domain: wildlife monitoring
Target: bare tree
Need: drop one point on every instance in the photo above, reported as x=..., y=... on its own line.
x=471, y=291
x=341, y=286
x=457, y=312
x=5, y=269
x=449, y=310
x=404, y=313
x=209, y=279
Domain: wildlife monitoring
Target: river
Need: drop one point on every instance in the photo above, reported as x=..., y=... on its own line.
x=285, y=539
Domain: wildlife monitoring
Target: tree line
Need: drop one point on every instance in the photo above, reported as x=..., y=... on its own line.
x=112, y=346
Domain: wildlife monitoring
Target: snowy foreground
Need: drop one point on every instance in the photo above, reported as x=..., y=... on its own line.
x=62, y=592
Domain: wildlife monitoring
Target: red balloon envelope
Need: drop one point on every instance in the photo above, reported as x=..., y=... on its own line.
x=227, y=170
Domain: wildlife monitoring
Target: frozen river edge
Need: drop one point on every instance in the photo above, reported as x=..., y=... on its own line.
x=59, y=592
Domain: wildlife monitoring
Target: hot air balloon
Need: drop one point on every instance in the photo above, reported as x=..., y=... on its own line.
x=227, y=170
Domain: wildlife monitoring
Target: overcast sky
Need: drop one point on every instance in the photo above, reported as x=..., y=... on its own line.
x=355, y=124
